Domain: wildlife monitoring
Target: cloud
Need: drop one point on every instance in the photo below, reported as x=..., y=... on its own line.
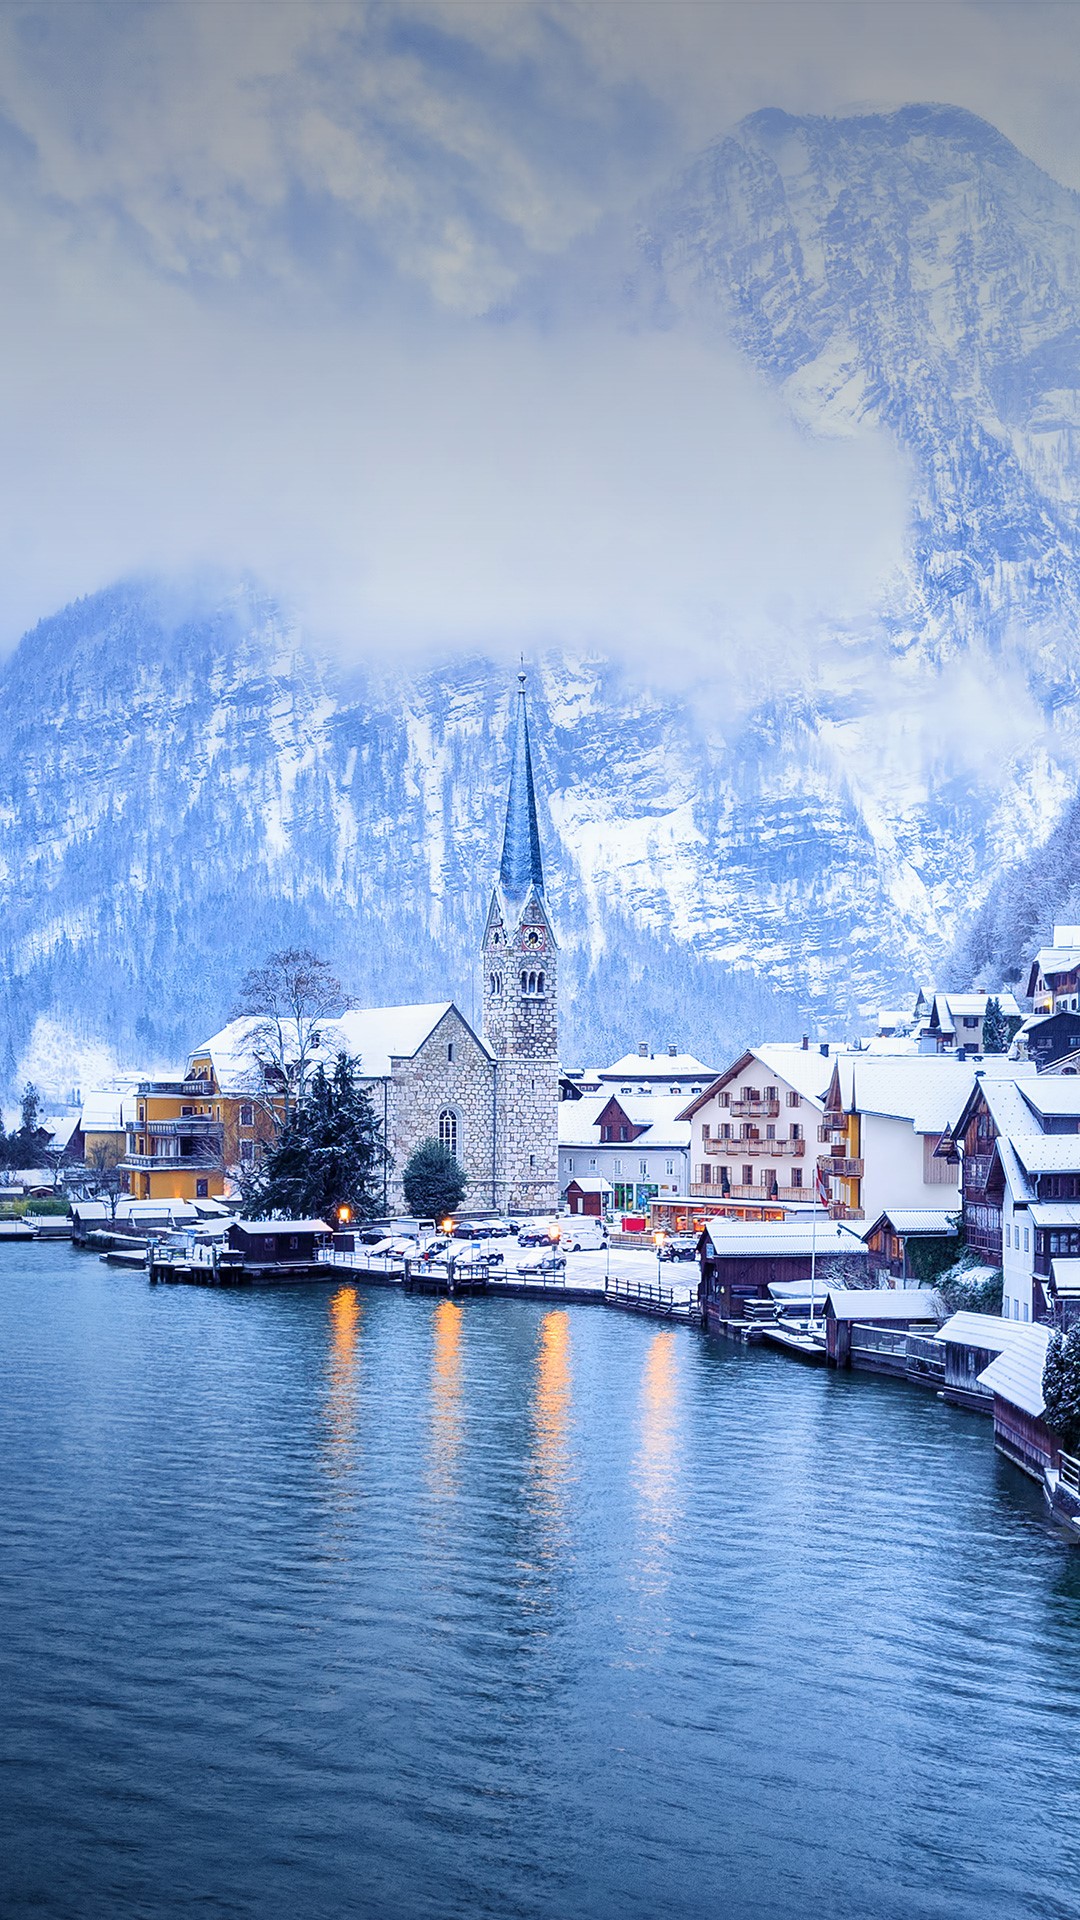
x=263, y=265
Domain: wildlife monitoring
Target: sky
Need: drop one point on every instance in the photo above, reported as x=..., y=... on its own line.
x=328, y=294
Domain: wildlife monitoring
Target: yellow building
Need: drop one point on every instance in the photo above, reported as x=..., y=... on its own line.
x=188, y=1137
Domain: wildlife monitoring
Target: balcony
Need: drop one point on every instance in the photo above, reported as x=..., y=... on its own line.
x=765, y=1196
x=756, y=1149
x=833, y=1136
x=202, y=1162
x=832, y=1163
x=756, y=1109
x=838, y=1211
x=198, y=1125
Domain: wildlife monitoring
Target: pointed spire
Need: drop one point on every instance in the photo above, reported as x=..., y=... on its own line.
x=521, y=866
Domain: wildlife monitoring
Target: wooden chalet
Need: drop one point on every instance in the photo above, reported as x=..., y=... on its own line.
x=970, y=1342
x=589, y=1197
x=280, y=1249
x=901, y=1231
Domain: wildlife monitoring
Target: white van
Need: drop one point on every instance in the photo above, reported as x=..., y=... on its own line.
x=581, y=1233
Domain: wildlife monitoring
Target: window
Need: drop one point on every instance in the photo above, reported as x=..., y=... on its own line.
x=592, y=1164
x=185, y=1112
x=796, y=1131
x=450, y=1052
x=748, y=1176
x=539, y=983
x=247, y=1151
x=770, y=1093
x=1008, y=1234
x=448, y=1130
x=618, y=1166
x=247, y=1115
x=532, y=1159
x=705, y=1131
x=202, y=1190
x=725, y=1099
x=792, y=1097
x=706, y=1176
x=644, y=1166
x=669, y=1166
x=1026, y=1239
x=1025, y=1310
x=570, y=1166
x=623, y=1135
x=770, y=1132
x=496, y=983
x=524, y=983
x=796, y=1176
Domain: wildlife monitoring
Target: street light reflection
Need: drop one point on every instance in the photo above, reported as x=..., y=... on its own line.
x=446, y=1422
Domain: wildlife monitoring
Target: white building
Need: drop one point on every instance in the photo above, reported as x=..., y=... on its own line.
x=637, y=1142
x=643, y=1072
x=884, y=1119
x=754, y=1131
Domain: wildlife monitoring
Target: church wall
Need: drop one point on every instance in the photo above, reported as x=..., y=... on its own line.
x=422, y=1087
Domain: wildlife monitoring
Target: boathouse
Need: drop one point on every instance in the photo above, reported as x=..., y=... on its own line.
x=1015, y=1380
x=896, y=1236
x=854, y=1316
x=741, y=1259
x=970, y=1341
x=279, y=1243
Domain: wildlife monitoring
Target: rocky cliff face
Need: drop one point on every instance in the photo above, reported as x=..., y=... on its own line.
x=184, y=784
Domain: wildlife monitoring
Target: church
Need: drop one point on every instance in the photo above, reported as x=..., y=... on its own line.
x=491, y=1097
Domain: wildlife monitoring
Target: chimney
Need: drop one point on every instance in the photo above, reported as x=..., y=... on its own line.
x=672, y=1050
x=644, y=1049
x=824, y=1049
x=805, y=1042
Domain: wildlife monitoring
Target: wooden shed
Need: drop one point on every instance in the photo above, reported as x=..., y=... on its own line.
x=898, y=1232
x=742, y=1259
x=282, y=1244
x=1015, y=1380
x=970, y=1341
x=589, y=1197
x=897, y=1310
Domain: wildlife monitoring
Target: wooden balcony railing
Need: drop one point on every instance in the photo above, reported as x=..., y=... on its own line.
x=754, y=1109
x=736, y=1191
x=757, y=1149
x=838, y=1211
x=841, y=1169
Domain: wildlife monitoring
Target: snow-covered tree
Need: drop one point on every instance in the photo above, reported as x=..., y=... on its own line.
x=1061, y=1388
x=434, y=1181
x=329, y=1157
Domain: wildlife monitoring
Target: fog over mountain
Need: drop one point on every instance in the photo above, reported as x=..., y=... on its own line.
x=779, y=817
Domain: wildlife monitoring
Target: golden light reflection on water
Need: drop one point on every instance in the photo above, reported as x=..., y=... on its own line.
x=342, y=1386
x=552, y=1407
x=658, y=1465
x=446, y=1413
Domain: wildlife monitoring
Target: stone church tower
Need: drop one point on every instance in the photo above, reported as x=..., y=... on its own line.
x=520, y=1001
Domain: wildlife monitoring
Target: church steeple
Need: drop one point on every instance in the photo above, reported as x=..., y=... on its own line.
x=521, y=867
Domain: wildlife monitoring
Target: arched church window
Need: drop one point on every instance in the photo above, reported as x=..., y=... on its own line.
x=539, y=983
x=532, y=983
x=524, y=983
x=448, y=1130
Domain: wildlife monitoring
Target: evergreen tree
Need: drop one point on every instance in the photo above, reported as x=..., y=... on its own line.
x=329, y=1157
x=1061, y=1388
x=434, y=1181
x=996, y=1029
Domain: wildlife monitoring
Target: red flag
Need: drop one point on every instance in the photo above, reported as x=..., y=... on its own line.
x=823, y=1192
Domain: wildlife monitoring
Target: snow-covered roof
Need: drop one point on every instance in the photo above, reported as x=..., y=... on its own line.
x=1016, y=1374
x=883, y=1303
x=1055, y=1213
x=1062, y=957
x=1047, y=1152
x=283, y=1226
x=579, y=1120
x=374, y=1034
x=658, y=1066
x=105, y=1109
x=1066, y=1277
x=928, y=1089
x=916, y=1220
x=591, y=1185
x=156, y=1210
x=61, y=1126
x=976, y=1004
x=987, y=1331
x=744, y=1238
x=1053, y=1097
x=1066, y=936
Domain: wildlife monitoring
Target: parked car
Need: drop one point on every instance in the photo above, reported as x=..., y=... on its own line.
x=469, y=1230
x=538, y=1233
x=581, y=1233
x=552, y=1263
x=679, y=1246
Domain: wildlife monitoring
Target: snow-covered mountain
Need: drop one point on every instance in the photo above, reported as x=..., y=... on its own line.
x=184, y=784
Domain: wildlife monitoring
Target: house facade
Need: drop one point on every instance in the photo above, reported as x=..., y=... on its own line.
x=635, y=1142
x=754, y=1131
x=1054, y=975
x=882, y=1119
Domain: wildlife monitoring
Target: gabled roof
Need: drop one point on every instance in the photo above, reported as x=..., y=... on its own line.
x=996, y=1080
x=987, y=1331
x=590, y=1185
x=1054, y=1098
x=1016, y=1374
x=1047, y=1152
x=883, y=1303
x=283, y=1226
x=806, y=1070
x=1055, y=1213
x=658, y=1066
x=922, y=1222
x=782, y=1238
x=1065, y=1275
x=926, y=1088
x=655, y=1113
x=374, y=1034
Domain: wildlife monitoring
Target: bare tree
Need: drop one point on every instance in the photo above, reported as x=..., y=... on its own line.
x=292, y=1000
x=103, y=1179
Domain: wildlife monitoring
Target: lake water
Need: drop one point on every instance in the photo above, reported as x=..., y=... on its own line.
x=328, y=1602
